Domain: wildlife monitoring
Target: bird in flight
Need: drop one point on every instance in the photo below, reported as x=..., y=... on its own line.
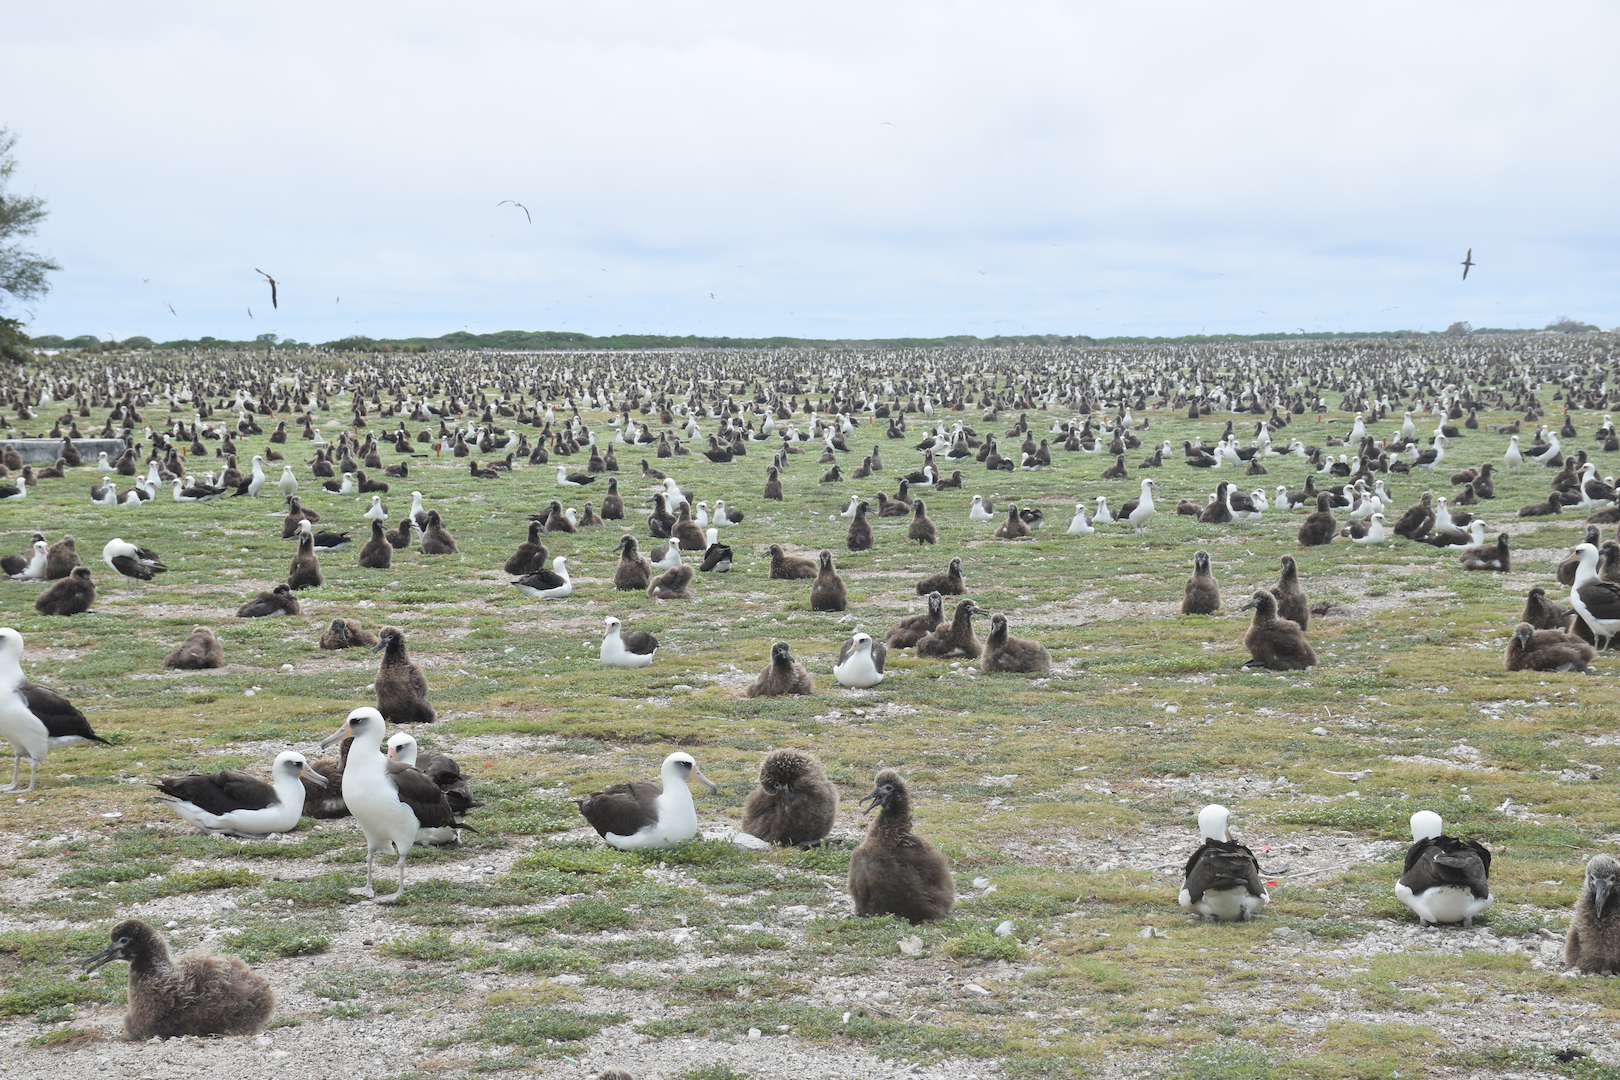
x=272, y=282
x=1468, y=262
x=173, y=312
x=250, y=313
x=520, y=206
x=888, y=123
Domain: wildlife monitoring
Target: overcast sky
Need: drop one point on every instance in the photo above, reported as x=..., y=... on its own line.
x=824, y=170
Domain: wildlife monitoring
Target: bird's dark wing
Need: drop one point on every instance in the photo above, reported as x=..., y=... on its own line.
x=880, y=652
x=418, y=791
x=844, y=653
x=1218, y=865
x=1602, y=599
x=56, y=712
x=1447, y=861
x=638, y=641
x=541, y=579
x=220, y=793
x=622, y=809
x=131, y=568
x=151, y=558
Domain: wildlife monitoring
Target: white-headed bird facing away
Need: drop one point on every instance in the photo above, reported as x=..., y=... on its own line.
x=1222, y=877
x=1446, y=880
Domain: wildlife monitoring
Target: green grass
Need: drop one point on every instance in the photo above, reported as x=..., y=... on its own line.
x=1031, y=783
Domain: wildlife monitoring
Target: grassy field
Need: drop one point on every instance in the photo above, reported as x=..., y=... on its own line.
x=1066, y=804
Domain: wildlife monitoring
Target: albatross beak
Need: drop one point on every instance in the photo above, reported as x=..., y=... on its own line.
x=1601, y=887
x=312, y=776
x=697, y=774
x=344, y=732
x=103, y=958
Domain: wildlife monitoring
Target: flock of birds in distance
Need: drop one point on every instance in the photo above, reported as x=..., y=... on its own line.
x=1403, y=411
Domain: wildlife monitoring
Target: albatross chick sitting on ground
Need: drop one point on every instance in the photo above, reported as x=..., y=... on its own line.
x=196, y=995
x=895, y=871
x=795, y=804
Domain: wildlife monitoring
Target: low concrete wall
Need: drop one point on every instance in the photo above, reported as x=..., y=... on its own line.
x=46, y=451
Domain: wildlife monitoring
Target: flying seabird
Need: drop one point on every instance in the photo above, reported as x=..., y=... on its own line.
x=795, y=805
x=390, y=801
x=33, y=720
x=627, y=648
x=639, y=815
x=1446, y=880
x=199, y=995
x=236, y=804
x=860, y=662
x=1222, y=877
x=894, y=871
x=783, y=675
x=273, y=301
x=520, y=206
x=1467, y=263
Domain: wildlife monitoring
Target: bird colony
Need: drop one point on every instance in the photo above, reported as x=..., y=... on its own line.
x=814, y=713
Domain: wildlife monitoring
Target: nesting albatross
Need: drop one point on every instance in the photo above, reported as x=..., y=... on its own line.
x=642, y=815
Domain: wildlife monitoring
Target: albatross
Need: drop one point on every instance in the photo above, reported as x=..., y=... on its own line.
x=642, y=815
x=33, y=720
x=391, y=801
x=236, y=804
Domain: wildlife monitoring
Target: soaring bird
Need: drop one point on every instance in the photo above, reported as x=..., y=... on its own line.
x=520, y=206
x=272, y=281
x=1468, y=263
